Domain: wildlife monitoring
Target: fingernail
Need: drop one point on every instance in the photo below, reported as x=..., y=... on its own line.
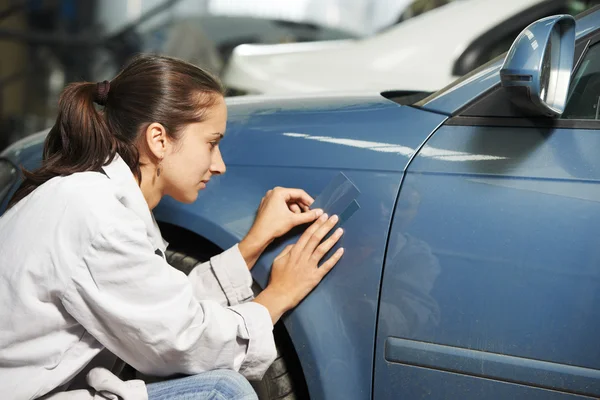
x=324, y=217
x=319, y=212
x=340, y=250
x=339, y=231
x=334, y=218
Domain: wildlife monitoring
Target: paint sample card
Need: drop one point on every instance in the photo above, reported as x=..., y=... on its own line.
x=351, y=209
x=338, y=198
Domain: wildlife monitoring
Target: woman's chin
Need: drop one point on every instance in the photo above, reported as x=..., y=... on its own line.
x=188, y=197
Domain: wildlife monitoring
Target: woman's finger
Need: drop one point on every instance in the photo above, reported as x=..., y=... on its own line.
x=320, y=233
x=309, y=232
x=306, y=217
x=295, y=208
x=331, y=262
x=327, y=245
x=296, y=195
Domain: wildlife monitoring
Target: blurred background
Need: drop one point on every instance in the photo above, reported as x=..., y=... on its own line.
x=300, y=45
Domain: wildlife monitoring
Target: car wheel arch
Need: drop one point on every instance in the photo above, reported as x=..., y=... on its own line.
x=190, y=242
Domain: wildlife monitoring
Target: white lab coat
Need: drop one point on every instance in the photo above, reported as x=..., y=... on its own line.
x=79, y=274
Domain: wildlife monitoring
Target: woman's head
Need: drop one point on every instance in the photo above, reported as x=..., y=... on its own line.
x=163, y=116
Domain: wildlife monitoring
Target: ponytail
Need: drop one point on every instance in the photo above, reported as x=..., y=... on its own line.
x=79, y=140
x=149, y=89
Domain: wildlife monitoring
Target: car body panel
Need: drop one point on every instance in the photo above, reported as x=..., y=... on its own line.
x=333, y=329
x=404, y=57
x=503, y=284
x=495, y=294
x=305, y=143
x=24, y=153
x=441, y=385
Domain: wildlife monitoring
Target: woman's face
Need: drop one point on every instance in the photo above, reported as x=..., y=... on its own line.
x=189, y=164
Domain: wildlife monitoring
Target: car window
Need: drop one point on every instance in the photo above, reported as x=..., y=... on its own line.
x=583, y=101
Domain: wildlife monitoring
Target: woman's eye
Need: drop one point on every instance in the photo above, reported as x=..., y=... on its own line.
x=213, y=145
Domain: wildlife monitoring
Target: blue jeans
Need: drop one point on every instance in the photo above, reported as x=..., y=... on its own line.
x=212, y=385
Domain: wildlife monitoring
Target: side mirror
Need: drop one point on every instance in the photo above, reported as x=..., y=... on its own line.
x=537, y=68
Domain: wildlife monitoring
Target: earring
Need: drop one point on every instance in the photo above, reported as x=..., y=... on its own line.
x=158, y=168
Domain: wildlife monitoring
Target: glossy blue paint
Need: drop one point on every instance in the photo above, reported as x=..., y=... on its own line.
x=333, y=330
x=495, y=366
x=508, y=265
x=26, y=149
x=537, y=68
x=301, y=143
x=25, y=153
x=335, y=132
x=452, y=98
x=441, y=385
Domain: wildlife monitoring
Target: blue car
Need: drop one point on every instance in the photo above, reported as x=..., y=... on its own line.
x=472, y=263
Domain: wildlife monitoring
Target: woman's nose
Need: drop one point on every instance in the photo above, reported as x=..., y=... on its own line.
x=218, y=165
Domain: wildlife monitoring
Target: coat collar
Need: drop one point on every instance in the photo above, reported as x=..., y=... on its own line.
x=131, y=196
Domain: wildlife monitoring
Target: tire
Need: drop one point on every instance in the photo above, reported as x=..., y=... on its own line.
x=278, y=382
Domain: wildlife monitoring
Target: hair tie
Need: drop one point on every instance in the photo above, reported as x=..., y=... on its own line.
x=101, y=95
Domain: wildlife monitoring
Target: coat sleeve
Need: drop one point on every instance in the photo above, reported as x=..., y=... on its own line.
x=145, y=311
x=225, y=278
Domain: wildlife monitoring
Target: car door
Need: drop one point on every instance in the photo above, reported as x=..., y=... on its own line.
x=491, y=285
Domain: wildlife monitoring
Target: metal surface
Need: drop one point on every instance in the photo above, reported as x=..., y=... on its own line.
x=293, y=143
x=495, y=253
x=305, y=143
x=495, y=365
x=8, y=176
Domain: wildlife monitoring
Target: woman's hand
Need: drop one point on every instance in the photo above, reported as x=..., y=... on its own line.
x=296, y=270
x=279, y=211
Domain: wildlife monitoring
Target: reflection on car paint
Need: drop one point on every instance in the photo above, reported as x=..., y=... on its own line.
x=429, y=151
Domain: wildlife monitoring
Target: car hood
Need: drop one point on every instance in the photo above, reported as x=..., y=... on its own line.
x=26, y=152
x=358, y=130
x=355, y=130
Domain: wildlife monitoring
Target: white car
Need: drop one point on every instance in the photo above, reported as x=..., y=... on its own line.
x=423, y=53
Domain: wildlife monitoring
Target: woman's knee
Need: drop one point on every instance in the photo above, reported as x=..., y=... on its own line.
x=232, y=385
x=226, y=384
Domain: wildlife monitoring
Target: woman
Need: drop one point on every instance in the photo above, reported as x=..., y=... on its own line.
x=82, y=273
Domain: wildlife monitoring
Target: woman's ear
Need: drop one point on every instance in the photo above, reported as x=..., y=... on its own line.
x=156, y=140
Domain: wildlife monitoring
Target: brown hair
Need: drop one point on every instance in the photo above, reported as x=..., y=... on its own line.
x=149, y=89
